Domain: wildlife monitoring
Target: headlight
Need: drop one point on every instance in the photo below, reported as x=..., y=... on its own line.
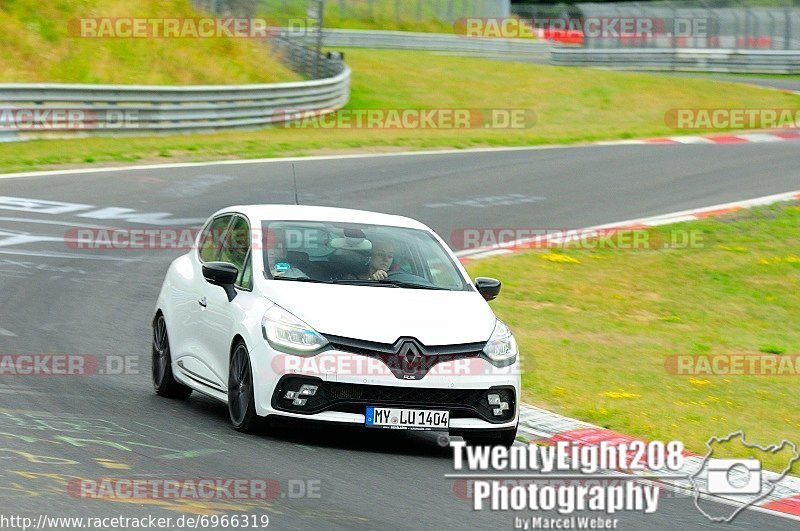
x=501, y=347
x=287, y=333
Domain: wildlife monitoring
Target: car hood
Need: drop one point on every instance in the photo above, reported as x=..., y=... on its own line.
x=384, y=314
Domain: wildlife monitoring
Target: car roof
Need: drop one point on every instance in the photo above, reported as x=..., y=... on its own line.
x=317, y=213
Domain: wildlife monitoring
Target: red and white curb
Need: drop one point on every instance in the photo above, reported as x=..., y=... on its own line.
x=504, y=248
x=543, y=427
x=754, y=137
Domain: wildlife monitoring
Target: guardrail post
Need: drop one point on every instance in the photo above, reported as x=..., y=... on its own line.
x=787, y=32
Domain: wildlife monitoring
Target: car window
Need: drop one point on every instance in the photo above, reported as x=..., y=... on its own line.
x=211, y=238
x=245, y=278
x=343, y=252
x=236, y=244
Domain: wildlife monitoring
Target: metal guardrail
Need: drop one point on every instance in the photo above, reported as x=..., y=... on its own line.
x=48, y=109
x=749, y=36
x=682, y=59
x=403, y=40
x=701, y=24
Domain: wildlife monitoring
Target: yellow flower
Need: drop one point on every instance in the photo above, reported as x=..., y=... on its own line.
x=620, y=394
x=560, y=258
x=698, y=382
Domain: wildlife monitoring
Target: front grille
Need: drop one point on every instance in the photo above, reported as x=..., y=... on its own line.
x=360, y=346
x=407, y=358
x=353, y=398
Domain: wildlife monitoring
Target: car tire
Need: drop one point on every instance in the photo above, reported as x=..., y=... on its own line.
x=241, y=400
x=503, y=438
x=163, y=380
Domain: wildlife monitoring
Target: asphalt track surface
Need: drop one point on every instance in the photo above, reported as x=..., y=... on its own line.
x=59, y=300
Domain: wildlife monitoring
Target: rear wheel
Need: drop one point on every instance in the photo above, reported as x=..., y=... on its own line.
x=241, y=400
x=163, y=380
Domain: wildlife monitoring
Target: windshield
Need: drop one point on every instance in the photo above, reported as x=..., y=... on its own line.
x=357, y=254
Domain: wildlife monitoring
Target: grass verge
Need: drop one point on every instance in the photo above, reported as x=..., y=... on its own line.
x=41, y=43
x=597, y=329
x=572, y=105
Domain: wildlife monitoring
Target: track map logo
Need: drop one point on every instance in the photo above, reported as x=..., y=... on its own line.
x=740, y=479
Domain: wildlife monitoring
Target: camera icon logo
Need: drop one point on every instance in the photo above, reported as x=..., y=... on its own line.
x=734, y=476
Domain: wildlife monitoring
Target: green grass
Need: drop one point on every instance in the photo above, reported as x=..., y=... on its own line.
x=596, y=327
x=572, y=105
x=40, y=43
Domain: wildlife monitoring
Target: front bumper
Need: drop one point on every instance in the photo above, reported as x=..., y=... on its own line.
x=457, y=386
x=354, y=398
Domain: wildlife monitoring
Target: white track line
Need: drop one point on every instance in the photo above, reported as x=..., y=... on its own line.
x=236, y=162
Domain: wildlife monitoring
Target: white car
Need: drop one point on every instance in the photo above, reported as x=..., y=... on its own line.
x=335, y=315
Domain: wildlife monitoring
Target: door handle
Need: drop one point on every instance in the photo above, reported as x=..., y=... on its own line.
x=203, y=302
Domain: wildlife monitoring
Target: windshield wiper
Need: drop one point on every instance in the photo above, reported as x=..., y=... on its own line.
x=360, y=282
x=386, y=283
x=301, y=279
x=403, y=284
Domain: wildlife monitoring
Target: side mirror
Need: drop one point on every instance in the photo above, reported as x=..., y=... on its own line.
x=221, y=274
x=489, y=288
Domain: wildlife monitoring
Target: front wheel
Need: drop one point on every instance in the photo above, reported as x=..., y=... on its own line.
x=241, y=400
x=163, y=380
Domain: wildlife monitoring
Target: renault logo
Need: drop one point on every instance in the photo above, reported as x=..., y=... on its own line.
x=410, y=357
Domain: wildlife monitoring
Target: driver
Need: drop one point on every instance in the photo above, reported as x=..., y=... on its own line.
x=276, y=256
x=380, y=261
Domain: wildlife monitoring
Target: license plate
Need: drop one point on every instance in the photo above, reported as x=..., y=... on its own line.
x=407, y=419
